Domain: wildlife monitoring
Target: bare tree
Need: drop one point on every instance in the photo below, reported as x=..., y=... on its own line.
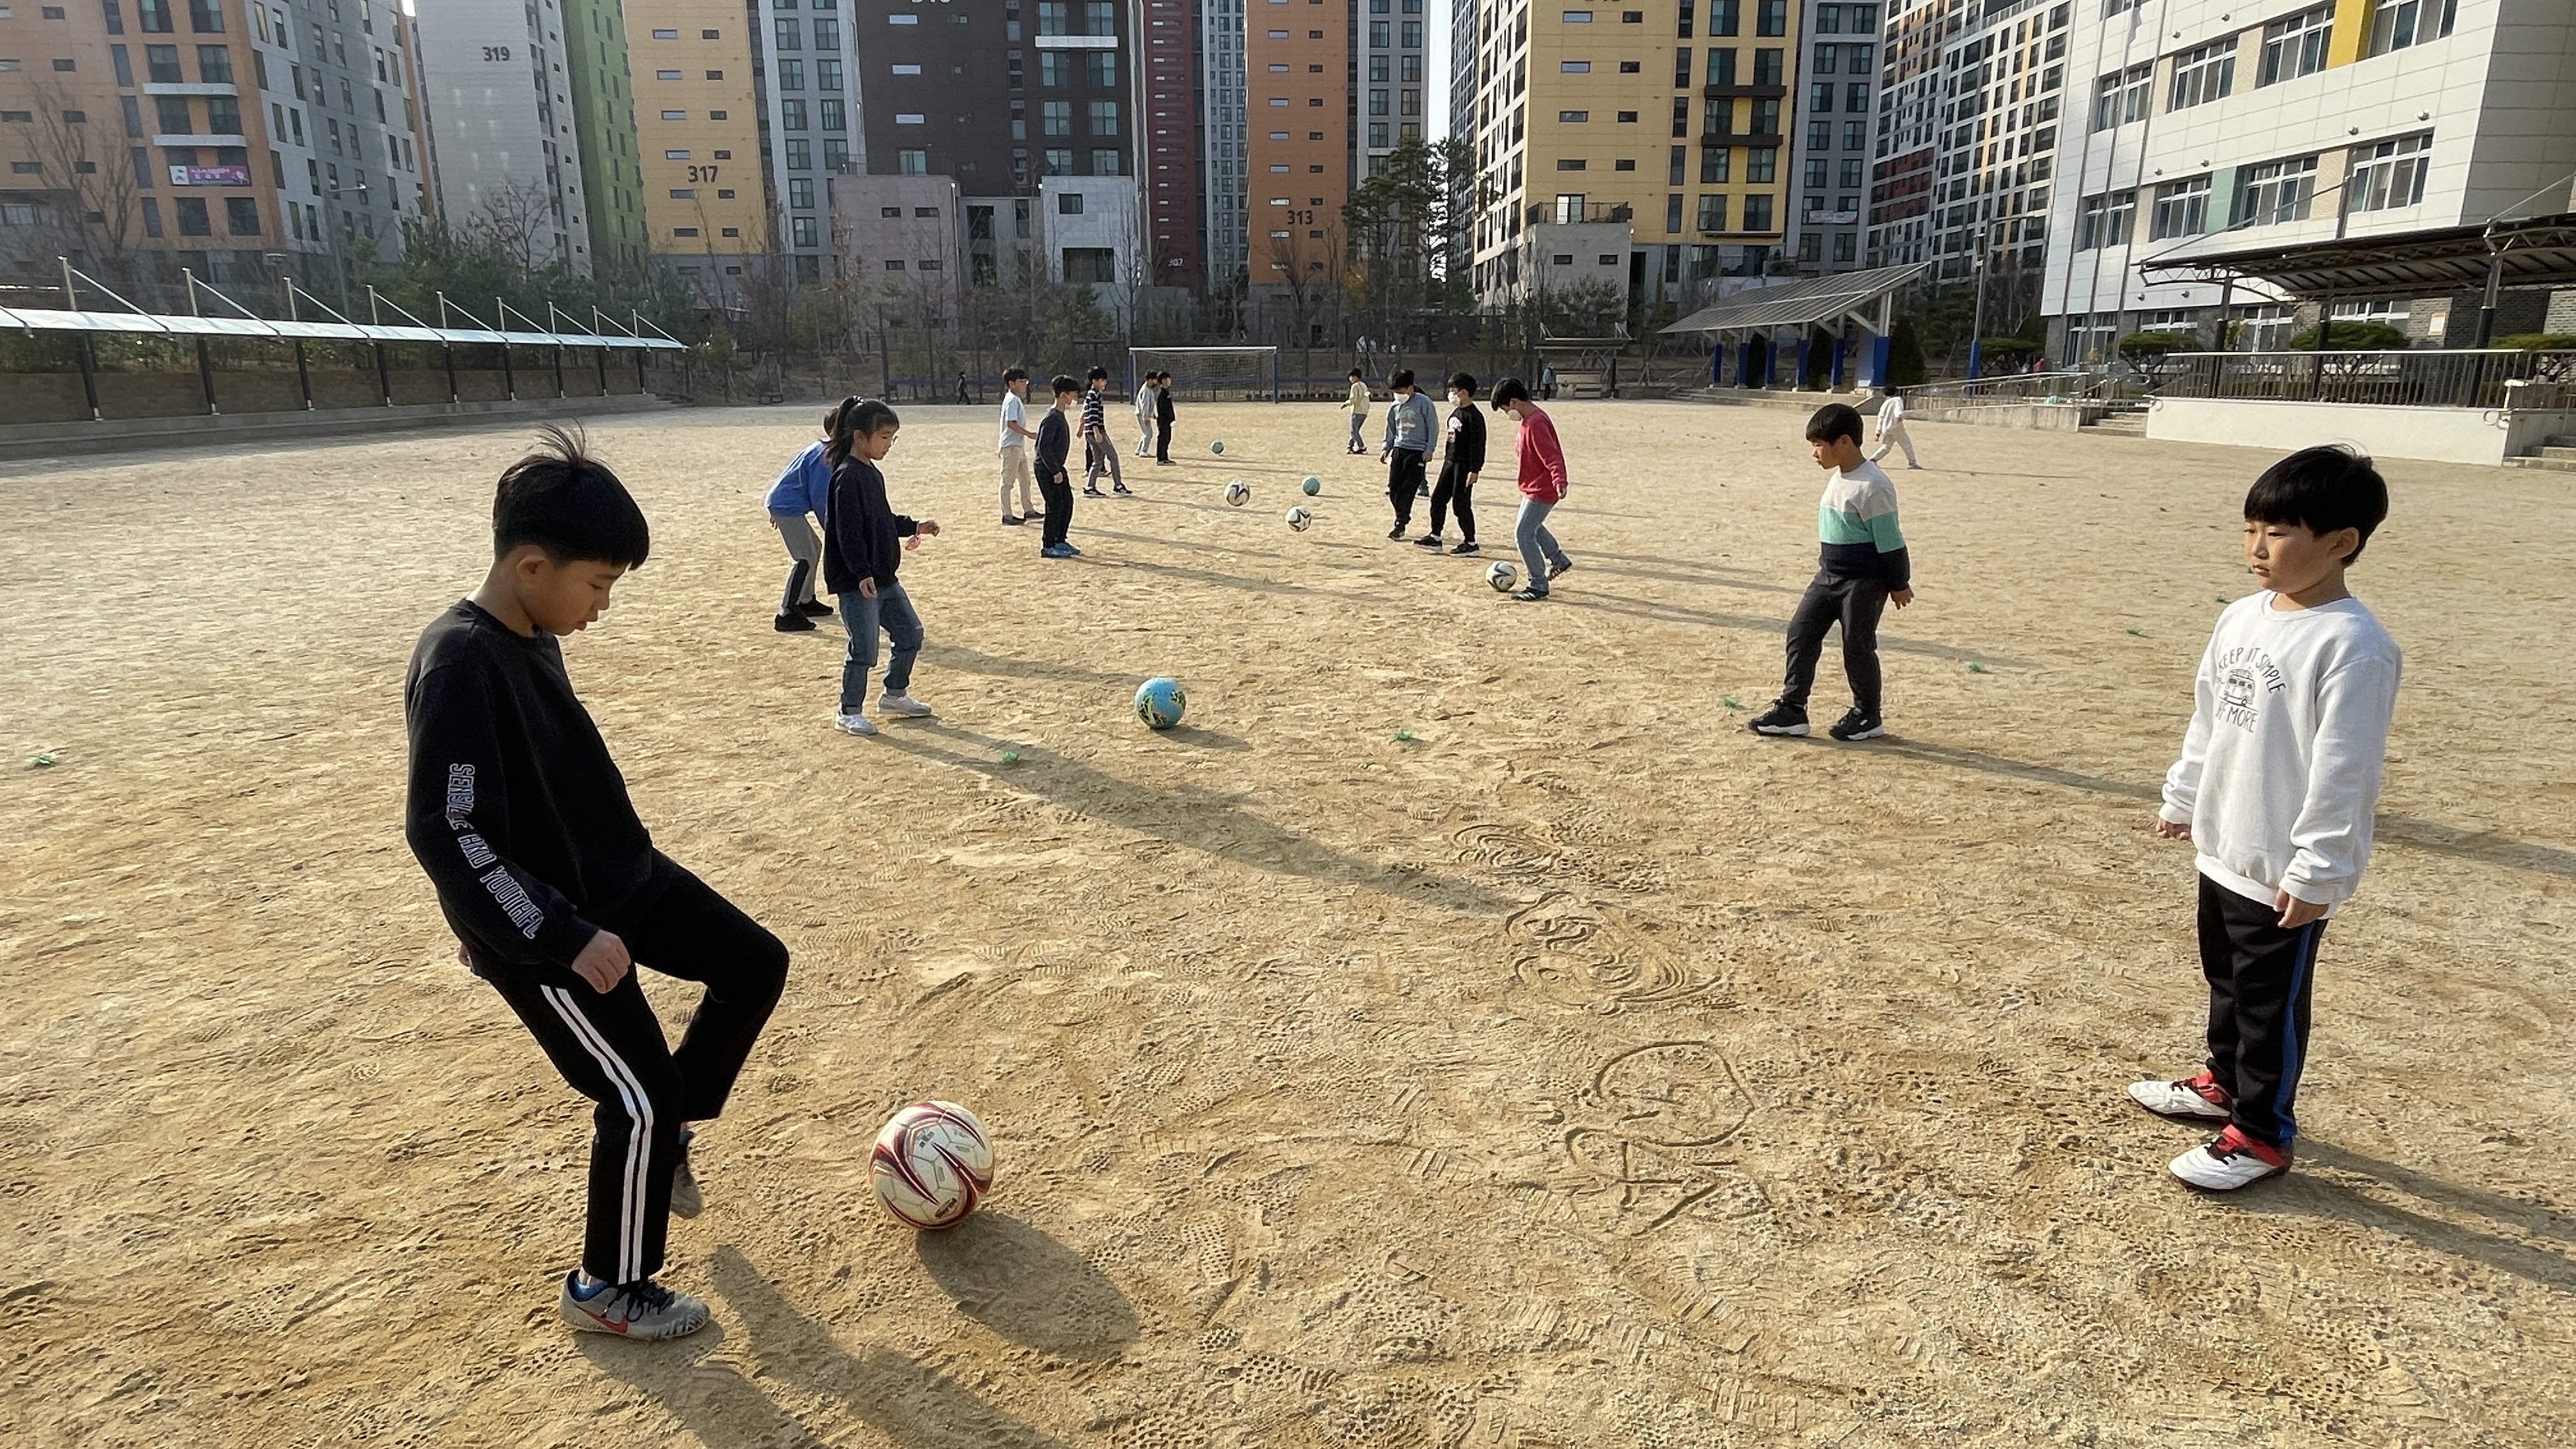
x=91, y=190
x=515, y=219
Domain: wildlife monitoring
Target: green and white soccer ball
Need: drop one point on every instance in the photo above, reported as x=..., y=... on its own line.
x=1217, y=446
x=1312, y=486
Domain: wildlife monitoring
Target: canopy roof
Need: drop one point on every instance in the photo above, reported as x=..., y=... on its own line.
x=152, y=323
x=2536, y=251
x=1818, y=299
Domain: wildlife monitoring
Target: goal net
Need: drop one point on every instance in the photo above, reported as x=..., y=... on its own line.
x=1211, y=374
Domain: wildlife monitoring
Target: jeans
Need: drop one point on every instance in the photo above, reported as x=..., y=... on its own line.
x=890, y=610
x=1453, y=491
x=1538, y=546
x=1854, y=603
x=1359, y=421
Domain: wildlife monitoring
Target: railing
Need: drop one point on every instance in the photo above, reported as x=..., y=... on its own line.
x=1547, y=213
x=2421, y=377
x=2018, y=387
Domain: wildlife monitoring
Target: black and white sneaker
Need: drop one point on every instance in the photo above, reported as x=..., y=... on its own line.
x=1396, y=532
x=1856, y=725
x=815, y=608
x=1429, y=541
x=796, y=623
x=1469, y=548
x=1560, y=567
x=1779, y=719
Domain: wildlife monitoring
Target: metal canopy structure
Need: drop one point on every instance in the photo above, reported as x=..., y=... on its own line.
x=2534, y=252
x=27, y=319
x=1862, y=296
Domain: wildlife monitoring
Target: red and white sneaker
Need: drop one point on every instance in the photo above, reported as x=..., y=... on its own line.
x=2229, y=1162
x=2199, y=1096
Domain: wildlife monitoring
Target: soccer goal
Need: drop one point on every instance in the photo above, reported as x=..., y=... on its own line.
x=1211, y=374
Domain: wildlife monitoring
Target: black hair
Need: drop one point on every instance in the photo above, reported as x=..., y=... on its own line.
x=568, y=503
x=1012, y=375
x=1403, y=378
x=2322, y=489
x=856, y=418
x=1510, y=390
x=1464, y=382
x=1833, y=422
x=1355, y=375
x=1896, y=392
x=1099, y=372
x=1064, y=383
x=827, y=418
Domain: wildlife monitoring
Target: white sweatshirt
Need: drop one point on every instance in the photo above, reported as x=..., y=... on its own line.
x=2279, y=775
x=1891, y=413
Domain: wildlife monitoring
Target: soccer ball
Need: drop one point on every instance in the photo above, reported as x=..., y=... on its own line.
x=931, y=1165
x=1313, y=485
x=1502, y=576
x=1217, y=447
x=1159, y=703
x=1238, y=493
x=1301, y=518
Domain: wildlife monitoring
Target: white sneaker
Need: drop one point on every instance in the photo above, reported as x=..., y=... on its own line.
x=902, y=706
x=2228, y=1162
x=638, y=1310
x=2191, y=1097
x=857, y=724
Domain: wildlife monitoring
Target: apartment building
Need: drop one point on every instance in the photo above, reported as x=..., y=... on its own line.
x=215, y=134
x=707, y=193
x=1224, y=125
x=2211, y=124
x=1169, y=142
x=531, y=116
x=1298, y=63
x=1971, y=115
x=1388, y=83
x=1635, y=141
x=1837, y=114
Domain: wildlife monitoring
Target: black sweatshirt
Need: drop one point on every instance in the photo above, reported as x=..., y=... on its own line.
x=514, y=807
x=1162, y=404
x=1466, y=440
x=1055, y=439
x=863, y=535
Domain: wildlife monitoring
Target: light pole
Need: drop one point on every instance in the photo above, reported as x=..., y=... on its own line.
x=1977, y=318
x=339, y=260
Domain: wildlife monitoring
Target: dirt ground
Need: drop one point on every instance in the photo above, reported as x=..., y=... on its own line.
x=1460, y=1032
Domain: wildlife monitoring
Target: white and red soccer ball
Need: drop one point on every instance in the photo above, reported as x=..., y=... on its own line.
x=931, y=1165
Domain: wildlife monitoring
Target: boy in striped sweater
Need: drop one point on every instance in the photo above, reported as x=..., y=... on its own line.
x=1862, y=568
x=1097, y=451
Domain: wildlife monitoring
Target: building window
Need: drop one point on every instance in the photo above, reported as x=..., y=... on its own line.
x=1102, y=66
x=2397, y=24
x=1569, y=163
x=2205, y=73
x=2121, y=97
x=791, y=75
x=912, y=161
x=1760, y=163
x=827, y=75
x=2105, y=220
x=800, y=154
x=1672, y=215
x=1766, y=118
x=2390, y=174
x=1712, y=213
x=1055, y=68
x=803, y=232
x=791, y=114
x=2275, y=192
x=1575, y=67
x=206, y=17
x=1057, y=117
x=1714, y=166
x=1104, y=118
x=1815, y=171
x=1766, y=66
x=800, y=193
x=1377, y=135
x=1757, y=213
x=193, y=220
x=1090, y=266
x=1104, y=161
x=836, y=154
x=161, y=65
x=827, y=35
x=2181, y=209
x=1059, y=162
x=1377, y=103
x=214, y=65
x=790, y=35
x=1771, y=18
x=2294, y=45
x=835, y=116
x=1721, y=65
x=1100, y=17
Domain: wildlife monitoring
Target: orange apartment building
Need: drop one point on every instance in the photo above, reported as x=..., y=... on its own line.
x=1298, y=114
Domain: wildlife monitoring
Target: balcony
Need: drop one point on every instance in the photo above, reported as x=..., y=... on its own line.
x=1546, y=213
x=190, y=88
x=1756, y=93
x=1745, y=138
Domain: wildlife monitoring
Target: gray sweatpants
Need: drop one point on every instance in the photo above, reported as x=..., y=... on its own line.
x=802, y=547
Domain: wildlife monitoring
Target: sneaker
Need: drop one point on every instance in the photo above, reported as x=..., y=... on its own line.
x=1056, y=550
x=817, y=608
x=1430, y=541
x=1093, y=493
x=2199, y=1096
x=687, y=1198
x=1469, y=547
x=1857, y=725
x=791, y=624
x=634, y=1310
x=1561, y=566
x=1396, y=532
x=1529, y=596
x=2228, y=1162
x=1422, y=491
x=1122, y=490
x=902, y=706
x=1070, y=551
x=856, y=724
x=1779, y=719
x=1013, y=519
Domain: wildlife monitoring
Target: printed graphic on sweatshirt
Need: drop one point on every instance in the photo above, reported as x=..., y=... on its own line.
x=2245, y=675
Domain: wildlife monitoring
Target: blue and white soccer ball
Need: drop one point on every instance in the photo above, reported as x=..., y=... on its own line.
x=1313, y=485
x=1502, y=576
x=1159, y=703
x=1238, y=493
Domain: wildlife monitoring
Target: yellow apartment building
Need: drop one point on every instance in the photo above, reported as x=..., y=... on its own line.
x=697, y=127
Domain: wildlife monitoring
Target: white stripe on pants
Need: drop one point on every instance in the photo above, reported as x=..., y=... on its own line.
x=639, y=1140
x=1015, y=469
x=803, y=547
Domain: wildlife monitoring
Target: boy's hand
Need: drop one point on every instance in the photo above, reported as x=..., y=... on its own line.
x=929, y=527
x=867, y=590
x=1901, y=597
x=464, y=957
x=2295, y=912
x=2167, y=830
x=603, y=962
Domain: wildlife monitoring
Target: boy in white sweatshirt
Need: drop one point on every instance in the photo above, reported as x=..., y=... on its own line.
x=2277, y=791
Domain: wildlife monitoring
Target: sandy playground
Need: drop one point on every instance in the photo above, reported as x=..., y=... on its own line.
x=1461, y=1032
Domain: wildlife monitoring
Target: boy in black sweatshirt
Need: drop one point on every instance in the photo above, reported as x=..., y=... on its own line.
x=861, y=552
x=555, y=891
x=1055, y=441
x=1462, y=459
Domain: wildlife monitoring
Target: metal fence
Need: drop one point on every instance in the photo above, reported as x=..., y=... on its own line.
x=2421, y=377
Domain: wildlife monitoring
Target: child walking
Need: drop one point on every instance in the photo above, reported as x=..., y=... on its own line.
x=1543, y=483
x=805, y=489
x=1891, y=428
x=1411, y=423
x=1055, y=442
x=2276, y=792
x=1097, y=451
x=1358, y=404
x=1014, y=450
x=1862, y=567
x=518, y=815
x=1462, y=458
x=861, y=555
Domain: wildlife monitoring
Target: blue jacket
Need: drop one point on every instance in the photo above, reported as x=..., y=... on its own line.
x=806, y=486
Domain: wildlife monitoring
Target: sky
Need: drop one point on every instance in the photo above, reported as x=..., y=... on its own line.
x=1435, y=59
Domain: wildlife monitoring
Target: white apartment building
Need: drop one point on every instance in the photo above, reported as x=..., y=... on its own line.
x=1830, y=155
x=1394, y=95
x=1970, y=120
x=500, y=122
x=2207, y=125
x=1221, y=140
x=1092, y=237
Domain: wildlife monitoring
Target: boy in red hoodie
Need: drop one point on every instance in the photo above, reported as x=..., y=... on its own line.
x=1543, y=485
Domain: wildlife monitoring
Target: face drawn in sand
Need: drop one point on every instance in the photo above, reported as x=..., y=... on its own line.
x=1595, y=957
x=1656, y=1143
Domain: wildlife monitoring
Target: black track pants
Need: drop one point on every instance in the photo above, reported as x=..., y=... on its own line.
x=2259, y=976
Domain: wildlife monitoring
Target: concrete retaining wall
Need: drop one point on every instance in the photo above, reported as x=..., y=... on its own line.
x=2440, y=435
x=63, y=440
x=2047, y=417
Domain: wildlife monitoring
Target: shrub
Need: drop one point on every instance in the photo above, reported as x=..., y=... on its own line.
x=2355, y=337
x=2532, y=341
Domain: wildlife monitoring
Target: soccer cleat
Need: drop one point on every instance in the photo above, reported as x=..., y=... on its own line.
x=2199, y=1096
x=1560, y=566
x=2228, y=1162
x=902, y=706
x=1469, y=547
x=632, y=1310
x=856, y=724
x=1779, y=719
x=815, y=607
x=791, y=623
x=1529, y=595
x=1857, y=724
x=687, y=1198
x=1430, y=541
